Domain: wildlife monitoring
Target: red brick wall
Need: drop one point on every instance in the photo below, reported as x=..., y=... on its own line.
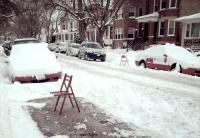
x=188, y=7
x=126, y=22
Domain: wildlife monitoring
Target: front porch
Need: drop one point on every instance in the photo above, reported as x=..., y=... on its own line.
x=190, y=31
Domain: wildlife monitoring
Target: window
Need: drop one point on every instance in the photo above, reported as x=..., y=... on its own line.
x=131, y=32
x=188, y=30
x=163, y=4
x=119, y=14
x=119, y=33
x=62, y=37
x=140, y=12
x=66, y=36
x=63, y=27
x=172, y=4
x=132, y=12
x=71, y=25
x=161, y=28
x=193, y=30
x=171, y=27
x=71, y=37
x=116, y=31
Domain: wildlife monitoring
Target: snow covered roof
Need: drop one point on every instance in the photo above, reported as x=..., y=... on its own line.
x=153, y=17
x=189, y=19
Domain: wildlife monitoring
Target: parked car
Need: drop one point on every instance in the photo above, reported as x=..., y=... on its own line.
x=73, y=49
x=63, y=47
x=52, y=46
x=9, y=44
x=24, y=41
x=6, y=47
x=91, y=50
x=33, y=62
x=169, y=57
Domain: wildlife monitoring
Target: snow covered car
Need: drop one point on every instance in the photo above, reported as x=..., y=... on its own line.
x=24, y=41
x=63, y=47
x=91, y=50
x=73, y=49
x=33, y=62
x=169, y=57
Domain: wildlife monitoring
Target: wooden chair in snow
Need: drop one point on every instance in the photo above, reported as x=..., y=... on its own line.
x=65, y=91
x=124, y=60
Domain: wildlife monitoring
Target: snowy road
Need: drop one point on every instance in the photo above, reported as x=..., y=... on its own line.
x=154, y=103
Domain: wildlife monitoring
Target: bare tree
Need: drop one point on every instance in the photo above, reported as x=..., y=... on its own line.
x=100, y=13
x=75, y=9
x=8, y=9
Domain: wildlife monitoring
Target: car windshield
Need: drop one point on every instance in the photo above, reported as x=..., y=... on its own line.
x=24, y=42
x=75, y=46
x=94, y=45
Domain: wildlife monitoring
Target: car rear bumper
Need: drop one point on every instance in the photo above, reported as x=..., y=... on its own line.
x=29, y=79
x=96, y=56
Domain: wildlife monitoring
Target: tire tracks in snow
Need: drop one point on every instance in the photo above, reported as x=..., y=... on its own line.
x=143, y=81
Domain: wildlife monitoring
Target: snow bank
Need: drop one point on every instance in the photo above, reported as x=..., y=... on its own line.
x=32, y=60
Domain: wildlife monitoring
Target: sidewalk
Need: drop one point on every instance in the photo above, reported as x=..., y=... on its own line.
x=90, y=122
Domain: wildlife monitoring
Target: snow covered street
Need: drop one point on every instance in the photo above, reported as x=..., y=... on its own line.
x=155, y=103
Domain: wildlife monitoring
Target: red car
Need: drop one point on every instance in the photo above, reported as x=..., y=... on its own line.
x=169, y=57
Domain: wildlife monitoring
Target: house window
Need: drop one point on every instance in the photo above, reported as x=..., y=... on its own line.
x=188, y=30
x=119, y=33
x=131, y=32
x=171, y=27
x=71, y=25
x=132, y=12
x=161, y=28
x=172, y=4
x=71, y=37
x=140, y=12
x=66, y=36
x=163, y=4
x=195, y=30
x=63, y=27
x=119, y=14
x=116, y=33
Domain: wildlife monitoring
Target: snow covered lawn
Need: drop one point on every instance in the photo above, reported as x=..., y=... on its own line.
x=160, y=104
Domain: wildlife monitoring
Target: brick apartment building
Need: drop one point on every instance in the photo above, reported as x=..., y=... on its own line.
x=125, y=27
x=164, y=22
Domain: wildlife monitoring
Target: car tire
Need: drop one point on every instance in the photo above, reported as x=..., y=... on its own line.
x=142, y=64
x=102, y=60
x=176, y=67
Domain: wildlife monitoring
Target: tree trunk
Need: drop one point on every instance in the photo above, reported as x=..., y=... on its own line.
x=100, y=40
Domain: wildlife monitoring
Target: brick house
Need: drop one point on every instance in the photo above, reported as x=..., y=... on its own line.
x=160, y=24
x=125, y=27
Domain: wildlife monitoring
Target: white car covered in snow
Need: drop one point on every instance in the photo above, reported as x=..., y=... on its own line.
x=73, y=49
x=169, y=57
x=33, y=62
